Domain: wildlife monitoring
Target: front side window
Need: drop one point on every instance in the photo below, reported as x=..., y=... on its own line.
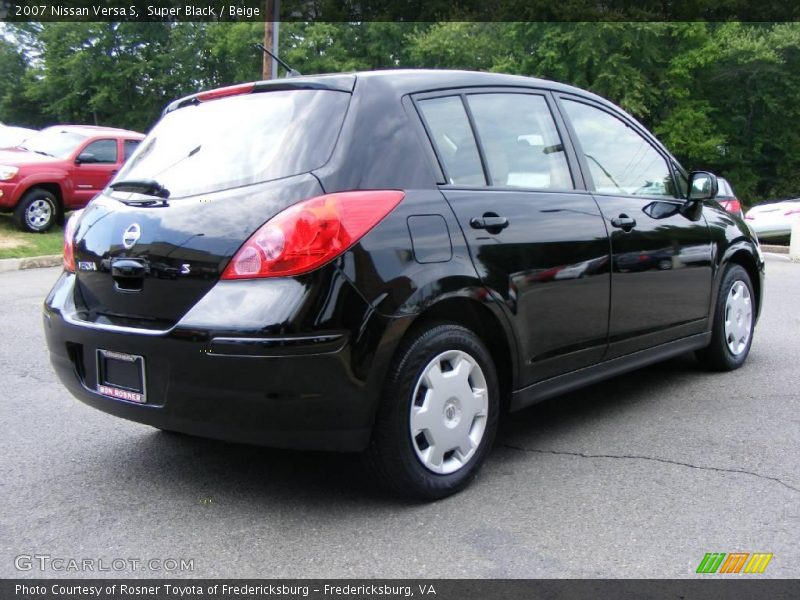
x=520, y=141
x=101, y=151
x=683, y=181
x=449, y=127
x=620, y=160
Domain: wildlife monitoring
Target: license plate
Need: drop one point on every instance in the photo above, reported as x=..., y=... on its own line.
x=121, y=376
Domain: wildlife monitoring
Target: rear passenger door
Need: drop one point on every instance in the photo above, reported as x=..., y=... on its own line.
x=536, y=236
x=661, y=255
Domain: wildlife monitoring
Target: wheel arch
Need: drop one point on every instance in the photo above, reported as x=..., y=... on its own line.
x=744, y=257
x=50, y=186
x=484, y=321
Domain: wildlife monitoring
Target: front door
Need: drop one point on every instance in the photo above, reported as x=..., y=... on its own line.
x=661, y=253
x=537, y=240
x=98, y=163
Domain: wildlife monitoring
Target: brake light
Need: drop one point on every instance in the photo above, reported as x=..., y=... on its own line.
x=733, y=206
x=69, y=242
x=310, y=234
x=231, y=90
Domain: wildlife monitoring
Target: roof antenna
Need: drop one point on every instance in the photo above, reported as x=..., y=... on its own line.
x=290, y=72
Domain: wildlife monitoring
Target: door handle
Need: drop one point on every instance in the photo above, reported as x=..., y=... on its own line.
x=624, y=222
x=490, y=222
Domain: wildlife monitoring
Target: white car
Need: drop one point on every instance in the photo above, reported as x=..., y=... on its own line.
x=11, y=137
x=774, y=219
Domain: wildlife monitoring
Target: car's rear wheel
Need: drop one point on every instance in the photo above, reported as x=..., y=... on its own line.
x=734, y=321
x=438, y=414
x=37, y=211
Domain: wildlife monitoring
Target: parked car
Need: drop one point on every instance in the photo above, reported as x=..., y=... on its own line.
x=60, y=168
x=14, y=136
x=772, y=220
x=727, y=198
x=370, y=262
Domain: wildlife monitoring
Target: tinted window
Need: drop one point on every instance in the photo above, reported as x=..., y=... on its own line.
x=448, y=125
x=104, y=151
x=523, y=151
x=129, y=147
x=620, y=160
x=240, y=140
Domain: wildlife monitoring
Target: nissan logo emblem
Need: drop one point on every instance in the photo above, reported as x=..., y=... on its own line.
x=131, y=235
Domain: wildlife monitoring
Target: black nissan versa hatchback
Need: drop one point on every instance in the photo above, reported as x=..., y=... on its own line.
x=386, y=261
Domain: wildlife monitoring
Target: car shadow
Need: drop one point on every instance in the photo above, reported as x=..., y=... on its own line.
x=212, y=471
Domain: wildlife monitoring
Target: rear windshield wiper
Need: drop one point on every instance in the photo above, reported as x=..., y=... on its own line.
x=142, y=186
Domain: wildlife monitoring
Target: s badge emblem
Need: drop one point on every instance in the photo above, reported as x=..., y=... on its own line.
x=131, y=235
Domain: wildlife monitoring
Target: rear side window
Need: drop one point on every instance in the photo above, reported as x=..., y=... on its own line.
x=103, y=151
x=129, y=147
x=520, y=141
x=448, y=125
x=240, y=140
x=620, y=160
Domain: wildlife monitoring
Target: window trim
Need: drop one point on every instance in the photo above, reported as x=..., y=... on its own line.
x=573, y=165
x=625, y=120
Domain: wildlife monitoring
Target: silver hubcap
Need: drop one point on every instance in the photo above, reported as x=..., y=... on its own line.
x=449, y=410
x=39, y=213
x=738, y=318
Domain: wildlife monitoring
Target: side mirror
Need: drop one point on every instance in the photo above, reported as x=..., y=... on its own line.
x=85, y=157
x=702, y=186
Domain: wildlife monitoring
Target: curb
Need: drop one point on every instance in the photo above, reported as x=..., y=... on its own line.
x=775, y=249
x=29, y=262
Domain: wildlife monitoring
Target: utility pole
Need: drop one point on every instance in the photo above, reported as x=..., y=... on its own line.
x=269, y=69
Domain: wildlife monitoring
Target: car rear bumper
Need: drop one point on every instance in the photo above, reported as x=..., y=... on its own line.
x=307, y=390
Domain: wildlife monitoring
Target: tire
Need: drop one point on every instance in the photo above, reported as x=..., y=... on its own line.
x=403, y=452
x=734, y=322
x=37, y=211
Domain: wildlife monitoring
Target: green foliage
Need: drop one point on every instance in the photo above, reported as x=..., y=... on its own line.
x=721, y=96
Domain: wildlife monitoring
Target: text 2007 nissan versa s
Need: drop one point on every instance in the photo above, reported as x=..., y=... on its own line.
x=383, y=262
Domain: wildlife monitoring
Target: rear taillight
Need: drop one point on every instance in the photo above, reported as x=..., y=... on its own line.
x=310, y=233
x=69, y=242
x=733, y=206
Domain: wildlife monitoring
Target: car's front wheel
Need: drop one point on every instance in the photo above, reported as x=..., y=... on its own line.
x=37, y=211
x=438, y=414
x=734, y=321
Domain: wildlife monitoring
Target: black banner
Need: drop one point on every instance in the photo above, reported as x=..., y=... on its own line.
x=399, y=10
x=438, y=589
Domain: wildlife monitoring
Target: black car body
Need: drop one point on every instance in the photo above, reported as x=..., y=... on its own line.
x=528, y=250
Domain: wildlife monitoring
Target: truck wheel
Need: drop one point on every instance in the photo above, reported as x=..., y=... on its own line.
x=37, y=211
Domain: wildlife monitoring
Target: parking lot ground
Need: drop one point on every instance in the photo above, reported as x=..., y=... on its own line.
x=638, y=476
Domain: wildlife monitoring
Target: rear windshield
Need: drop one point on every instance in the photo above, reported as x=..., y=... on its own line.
x=241, y=140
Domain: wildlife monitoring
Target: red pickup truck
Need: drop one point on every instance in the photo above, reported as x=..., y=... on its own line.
x=60, y=168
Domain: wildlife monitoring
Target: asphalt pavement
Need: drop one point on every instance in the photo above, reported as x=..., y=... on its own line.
x=638, y=476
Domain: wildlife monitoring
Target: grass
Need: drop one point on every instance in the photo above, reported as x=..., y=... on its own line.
x=19, y=244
